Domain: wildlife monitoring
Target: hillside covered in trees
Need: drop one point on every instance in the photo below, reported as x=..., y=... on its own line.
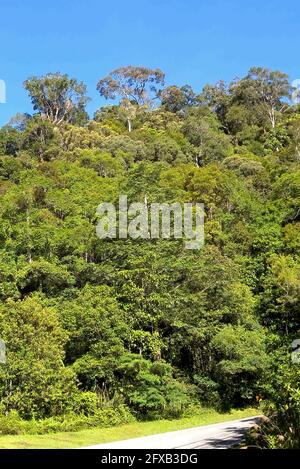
x=123, y=329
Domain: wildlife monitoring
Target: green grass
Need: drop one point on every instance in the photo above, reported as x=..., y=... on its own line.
x=133, y=430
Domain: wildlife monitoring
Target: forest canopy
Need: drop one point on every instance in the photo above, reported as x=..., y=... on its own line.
x=146, y=327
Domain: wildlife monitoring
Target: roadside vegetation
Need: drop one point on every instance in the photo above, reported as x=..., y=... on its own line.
x=87, y=437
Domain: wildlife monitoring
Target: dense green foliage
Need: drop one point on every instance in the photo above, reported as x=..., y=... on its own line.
x=146, y=323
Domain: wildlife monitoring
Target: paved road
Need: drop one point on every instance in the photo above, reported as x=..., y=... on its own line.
x=218, y=436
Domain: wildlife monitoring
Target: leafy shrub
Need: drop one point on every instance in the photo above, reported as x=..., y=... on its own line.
x=282, y=389
x=13, y=424
x=150, y=389
x=86, y=403
x=207, y=390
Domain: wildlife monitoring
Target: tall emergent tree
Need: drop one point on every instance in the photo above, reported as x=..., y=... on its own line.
x=175, y=99
x=58, y=98
x=267, y=87
x=134, y=86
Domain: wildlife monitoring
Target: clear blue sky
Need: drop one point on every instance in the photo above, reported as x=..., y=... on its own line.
x=192, y=41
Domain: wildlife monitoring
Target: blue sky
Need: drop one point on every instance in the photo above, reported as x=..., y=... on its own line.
x=192, y=41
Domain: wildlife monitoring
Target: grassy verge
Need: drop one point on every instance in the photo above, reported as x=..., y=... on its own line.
x=133, y=430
